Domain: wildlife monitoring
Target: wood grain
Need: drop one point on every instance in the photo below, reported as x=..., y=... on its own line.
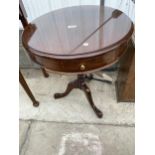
x=125, y=85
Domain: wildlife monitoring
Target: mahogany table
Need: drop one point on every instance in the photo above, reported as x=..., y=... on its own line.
x=78, y=40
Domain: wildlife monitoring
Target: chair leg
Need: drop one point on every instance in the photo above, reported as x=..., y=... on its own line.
x=44, y=72
x=27, y=89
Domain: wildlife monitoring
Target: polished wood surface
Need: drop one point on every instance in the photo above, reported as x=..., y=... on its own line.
x=125, y=84
x=78, y=35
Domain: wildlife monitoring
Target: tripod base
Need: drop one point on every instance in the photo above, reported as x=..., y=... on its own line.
x=80, y=84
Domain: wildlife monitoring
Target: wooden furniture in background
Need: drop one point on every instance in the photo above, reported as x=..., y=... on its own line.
x=27, y=89
x=65, y=41
x=22, y=17
x=125, y=84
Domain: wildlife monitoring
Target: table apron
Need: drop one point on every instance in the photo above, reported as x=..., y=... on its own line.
x=81, y=65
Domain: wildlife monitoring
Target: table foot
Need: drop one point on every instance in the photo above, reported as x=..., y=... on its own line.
x=36, y=104
x=80, y=84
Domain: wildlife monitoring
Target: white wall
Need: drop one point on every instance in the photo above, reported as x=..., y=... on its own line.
x=35, y=8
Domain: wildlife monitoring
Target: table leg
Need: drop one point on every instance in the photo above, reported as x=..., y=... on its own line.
x=44, y=72
x=27, y=89
x=69, y=88
x=87, y=92
x=80, y=84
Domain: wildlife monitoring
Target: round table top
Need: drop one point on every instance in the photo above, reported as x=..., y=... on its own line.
x=76, y=32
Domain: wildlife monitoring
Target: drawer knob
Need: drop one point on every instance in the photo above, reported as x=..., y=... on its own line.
x=82, y=67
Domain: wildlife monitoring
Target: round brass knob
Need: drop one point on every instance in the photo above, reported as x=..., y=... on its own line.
x=82, y=67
